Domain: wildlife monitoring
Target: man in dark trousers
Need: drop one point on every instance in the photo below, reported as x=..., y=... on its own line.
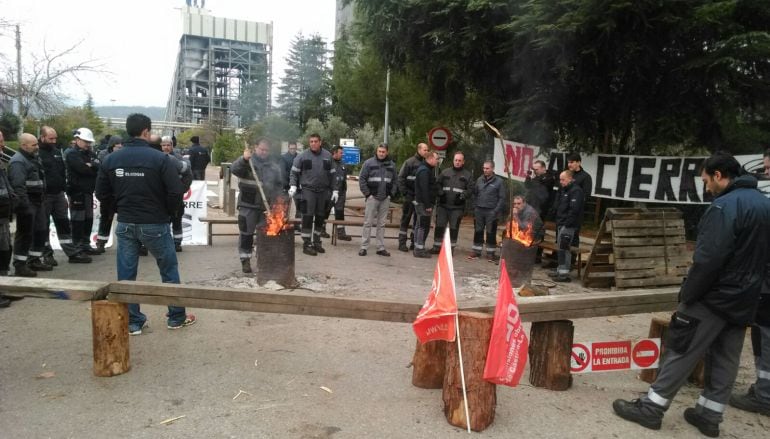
x=25, y=173
x=287, y=159
x=314, y=172
x=569, y=215
x=199, y=158
x=185, y=175
x=455, y=186
x=718, y=299
x=757, y=399
x=251, y=206
x=7, y=198
x=490, y=195
x=341, y=174
x=581, y=177
x=55, y=203
x=82, y=168
x=425, y=190
x=144, y=186
x=406, y=178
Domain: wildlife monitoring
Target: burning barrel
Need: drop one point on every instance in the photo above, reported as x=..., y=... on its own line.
x=275, y=248
x=519, y=254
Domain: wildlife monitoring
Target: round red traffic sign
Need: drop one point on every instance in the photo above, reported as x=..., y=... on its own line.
x=440, y=138
x=645, y=353
x=580, y=358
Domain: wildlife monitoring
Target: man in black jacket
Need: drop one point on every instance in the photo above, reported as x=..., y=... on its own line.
x=406, y=177
x=377, y=182
x=144, y=186
x=425, y=190
x=82, y=167
x=25, y=173
x=717, y=300
x=490, y=197
x=55, y=203
x=251, y=206
x=569, y=215
x=7, y=198
x=199, y=159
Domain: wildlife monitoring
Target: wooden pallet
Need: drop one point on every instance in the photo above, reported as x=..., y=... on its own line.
x=639, y=248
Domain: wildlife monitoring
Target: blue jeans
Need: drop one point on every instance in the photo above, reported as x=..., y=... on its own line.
x=159, y=242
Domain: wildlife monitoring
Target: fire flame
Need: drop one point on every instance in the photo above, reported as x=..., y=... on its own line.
x=277, y=220
x=524, y=236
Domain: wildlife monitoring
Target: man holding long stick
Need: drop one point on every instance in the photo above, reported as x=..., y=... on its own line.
x=256, y=194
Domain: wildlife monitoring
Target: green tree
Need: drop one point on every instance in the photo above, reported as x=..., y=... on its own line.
x=227, y=147
x=9, y=125
x=594, y=75
x=304, y=92
x=252, y=102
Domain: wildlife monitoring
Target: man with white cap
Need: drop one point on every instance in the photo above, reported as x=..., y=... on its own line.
x=82, y=169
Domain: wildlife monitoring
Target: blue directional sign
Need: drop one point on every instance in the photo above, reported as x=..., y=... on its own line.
x=351, y=155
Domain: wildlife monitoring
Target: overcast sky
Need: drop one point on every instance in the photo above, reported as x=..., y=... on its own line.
x=138, y=40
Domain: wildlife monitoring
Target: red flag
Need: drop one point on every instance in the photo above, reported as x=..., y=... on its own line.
x=508, y=344
x=436, y=319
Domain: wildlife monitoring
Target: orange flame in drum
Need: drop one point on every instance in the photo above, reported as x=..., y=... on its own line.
x=277, y=221
x=524, y=236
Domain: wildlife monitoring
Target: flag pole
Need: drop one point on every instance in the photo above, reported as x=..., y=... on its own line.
x=448, y=248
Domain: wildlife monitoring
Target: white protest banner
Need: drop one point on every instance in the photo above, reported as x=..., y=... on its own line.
x=195, y=205
x=625, y=177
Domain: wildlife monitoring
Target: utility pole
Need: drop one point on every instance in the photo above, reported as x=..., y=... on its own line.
x=18, y=79
x=386, y=129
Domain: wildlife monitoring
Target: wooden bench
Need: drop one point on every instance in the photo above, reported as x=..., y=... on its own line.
x=351, y=223
x=549, y=243
x=210, y=222
x=110, y=316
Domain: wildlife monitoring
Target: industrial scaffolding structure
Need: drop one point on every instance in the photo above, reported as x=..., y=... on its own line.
x=221, y=62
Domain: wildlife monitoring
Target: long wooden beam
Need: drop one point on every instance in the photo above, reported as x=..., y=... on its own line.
x=262, y=301
x=532, y=309
x=576, y=306
x=63, y=289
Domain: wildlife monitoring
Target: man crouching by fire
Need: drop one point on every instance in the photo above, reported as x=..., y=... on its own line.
x=525, y=225
x=251, y=204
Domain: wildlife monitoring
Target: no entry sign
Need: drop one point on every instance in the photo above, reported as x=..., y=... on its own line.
x=439, y=138
x=607, y=356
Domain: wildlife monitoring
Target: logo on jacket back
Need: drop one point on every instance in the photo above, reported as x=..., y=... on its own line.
x=120, y=172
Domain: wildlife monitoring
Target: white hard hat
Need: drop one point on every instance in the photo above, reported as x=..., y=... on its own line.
x=85, y=134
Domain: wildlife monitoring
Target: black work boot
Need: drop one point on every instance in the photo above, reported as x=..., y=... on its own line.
x=318, y=247
x=246, y=265
x=402, y=245
x=4, y=303
x=750, y=403
x=342, y=235
x=435, y=250
x=49, y=259
x=38, y=265
x=308, y=249
x=704, y=425
x=100, y=245
x=21, y=269
x=636, y=411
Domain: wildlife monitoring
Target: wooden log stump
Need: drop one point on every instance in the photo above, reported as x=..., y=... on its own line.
x=475, y=331
x=550, y=347
x=429, y=364
x=109, y=323
x=658, y=329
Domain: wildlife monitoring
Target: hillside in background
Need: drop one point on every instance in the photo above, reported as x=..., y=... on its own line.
x=154, y=113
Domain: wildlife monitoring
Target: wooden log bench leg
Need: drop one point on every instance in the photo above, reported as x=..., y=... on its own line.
x=429, y=364
x=475, y=331
x=658, y=329
x=550, y=348
x=109, y=324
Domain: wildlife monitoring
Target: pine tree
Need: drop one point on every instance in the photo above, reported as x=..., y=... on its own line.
x=305, y=92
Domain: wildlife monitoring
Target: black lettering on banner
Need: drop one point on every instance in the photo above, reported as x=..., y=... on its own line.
x=638, y=178
x=687, y=186
x=556, y=162
x=669, y=168
x=620, y=189
x=602, y=161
